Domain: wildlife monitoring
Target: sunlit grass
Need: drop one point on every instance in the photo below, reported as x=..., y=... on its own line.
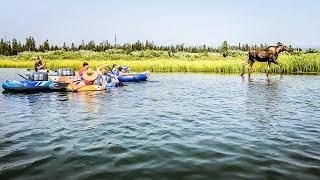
x=213, y=63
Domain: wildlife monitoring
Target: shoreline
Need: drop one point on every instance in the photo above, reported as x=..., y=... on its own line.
x=209, y=73
x=306, y=63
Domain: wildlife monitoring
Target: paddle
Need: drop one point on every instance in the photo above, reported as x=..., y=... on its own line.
x=23, y=77
x=120, y=83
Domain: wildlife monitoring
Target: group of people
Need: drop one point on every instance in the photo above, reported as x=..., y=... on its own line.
x=88, y=75
x=92, y=77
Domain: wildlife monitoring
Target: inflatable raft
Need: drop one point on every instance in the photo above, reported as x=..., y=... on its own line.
x=34, y=82
x=27, y=86
x=85, y=88
x=110, y=85
x=39, y=86
x=40, y=81
x=129, y=78
x=133, y=78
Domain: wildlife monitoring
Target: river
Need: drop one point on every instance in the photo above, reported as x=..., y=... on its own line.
x=175, y=126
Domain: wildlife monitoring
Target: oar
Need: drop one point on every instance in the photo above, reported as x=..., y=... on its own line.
x=120, y=83
x=23, y=77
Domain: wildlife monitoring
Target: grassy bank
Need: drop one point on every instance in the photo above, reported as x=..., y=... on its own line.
x=162, y=61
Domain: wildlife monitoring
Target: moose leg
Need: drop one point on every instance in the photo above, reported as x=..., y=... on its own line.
x=250, y=67
x=280, y=65
x=242, y=70
x=268, y=68
x=249, y=63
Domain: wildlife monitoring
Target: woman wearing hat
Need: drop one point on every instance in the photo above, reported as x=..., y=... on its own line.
x=88, y=78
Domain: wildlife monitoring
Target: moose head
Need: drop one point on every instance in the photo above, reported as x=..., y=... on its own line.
x=282, y=48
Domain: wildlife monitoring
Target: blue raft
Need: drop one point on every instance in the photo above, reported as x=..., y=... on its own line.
x=38, y=86
x=133, y=78
x=27, y=86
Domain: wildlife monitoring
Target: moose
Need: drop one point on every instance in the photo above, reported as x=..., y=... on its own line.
x=269, y=55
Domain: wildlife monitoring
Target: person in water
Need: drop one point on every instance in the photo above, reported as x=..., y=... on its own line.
x=103, y=75
x=114, y=67
x=39, y=65
x=124, y=71
x=85, y=67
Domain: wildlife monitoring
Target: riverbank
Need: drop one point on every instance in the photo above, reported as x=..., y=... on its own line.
x=162, y=61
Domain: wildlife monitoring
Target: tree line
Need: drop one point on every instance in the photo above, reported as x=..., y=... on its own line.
x=13, y=47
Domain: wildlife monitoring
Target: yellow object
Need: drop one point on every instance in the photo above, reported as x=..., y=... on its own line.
x=90, y=75
x=63, y=79
x=85, y=88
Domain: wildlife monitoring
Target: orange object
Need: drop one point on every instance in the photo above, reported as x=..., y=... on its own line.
x=82, y=70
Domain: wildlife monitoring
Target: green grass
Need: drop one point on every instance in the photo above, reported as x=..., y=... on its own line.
x=162, y=61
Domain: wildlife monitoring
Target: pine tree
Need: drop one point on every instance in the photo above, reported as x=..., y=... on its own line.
x=91, y=45
x=2, y=46
x=14, y=47
x=224, y=49
x=81, y=46
x=7, y=49
x=30, y=44
x=46, y=45
x=73, y=48
x=137, y=46
x=20, y=47
x=65, y=46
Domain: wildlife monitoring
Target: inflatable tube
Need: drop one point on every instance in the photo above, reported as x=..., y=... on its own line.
x=27, y=86
x=133, y=78
x=68, y=88
x=85, y=88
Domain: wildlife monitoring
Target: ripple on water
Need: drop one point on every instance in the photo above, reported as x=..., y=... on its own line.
x=177, y=126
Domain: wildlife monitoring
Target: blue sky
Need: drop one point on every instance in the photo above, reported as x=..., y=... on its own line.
x=192, y=22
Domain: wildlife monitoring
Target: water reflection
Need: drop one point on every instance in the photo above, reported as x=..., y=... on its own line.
x=32, y=98
x=87, y=101
x=261, y=100
x=190, y=125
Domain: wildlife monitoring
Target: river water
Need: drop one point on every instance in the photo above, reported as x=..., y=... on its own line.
x=191, y=126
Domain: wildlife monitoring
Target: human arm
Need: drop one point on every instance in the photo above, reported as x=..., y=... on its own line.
x=100, y=67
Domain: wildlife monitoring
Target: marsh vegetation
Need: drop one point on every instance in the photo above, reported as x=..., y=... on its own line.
x=141, y=56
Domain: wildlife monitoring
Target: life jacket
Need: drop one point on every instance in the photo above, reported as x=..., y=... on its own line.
x=113, y=73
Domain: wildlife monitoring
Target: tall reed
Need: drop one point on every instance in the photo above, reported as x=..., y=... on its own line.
x=195, y=62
